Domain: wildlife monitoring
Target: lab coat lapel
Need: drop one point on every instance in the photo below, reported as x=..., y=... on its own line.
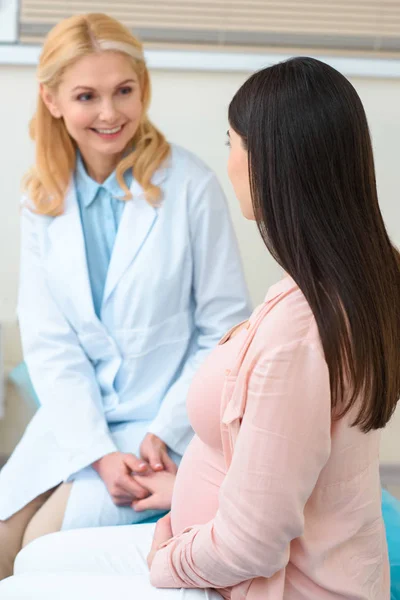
x=66, y=259
x=136, y=223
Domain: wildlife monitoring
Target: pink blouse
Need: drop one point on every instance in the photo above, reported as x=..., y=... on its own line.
x=203, y=469
x=298, y=513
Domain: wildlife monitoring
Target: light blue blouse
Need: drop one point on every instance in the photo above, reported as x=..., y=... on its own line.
x=101, y=211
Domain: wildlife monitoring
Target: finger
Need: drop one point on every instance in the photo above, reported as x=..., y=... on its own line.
x=147, y=482
x=169, y=464
x=163, y=530
x=166, y=520
x=122, y=500
x=154, y=458
x=164, y=524
x=150, y=503
x=135, y=464
x=128, y=484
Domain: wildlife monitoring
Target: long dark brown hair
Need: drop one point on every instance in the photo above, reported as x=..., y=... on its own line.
x=315, y=201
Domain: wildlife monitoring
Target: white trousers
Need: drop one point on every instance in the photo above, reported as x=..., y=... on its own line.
x=103, y=564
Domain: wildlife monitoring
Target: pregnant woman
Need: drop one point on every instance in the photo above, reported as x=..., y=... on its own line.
x=278, y=495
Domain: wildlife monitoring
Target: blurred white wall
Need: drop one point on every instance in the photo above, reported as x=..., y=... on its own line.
x=191, y=108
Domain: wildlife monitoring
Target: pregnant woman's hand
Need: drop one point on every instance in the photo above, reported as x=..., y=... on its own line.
x=155, y=452
x=117, y=470
x=160, y=486
x=162, y=534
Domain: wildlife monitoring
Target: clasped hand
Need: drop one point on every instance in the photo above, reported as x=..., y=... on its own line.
x=143, y=483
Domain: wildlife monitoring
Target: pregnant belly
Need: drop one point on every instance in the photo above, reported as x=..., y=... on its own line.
x=200, y=475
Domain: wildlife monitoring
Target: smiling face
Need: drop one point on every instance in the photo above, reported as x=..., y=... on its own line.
x=100, y=100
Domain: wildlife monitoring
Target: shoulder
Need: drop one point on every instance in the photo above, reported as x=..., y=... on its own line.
x=288, y=326
x=184, y=162
x=30, y=218
x=191, y=183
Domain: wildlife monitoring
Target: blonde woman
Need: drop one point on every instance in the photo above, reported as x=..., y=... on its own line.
x=130, y=274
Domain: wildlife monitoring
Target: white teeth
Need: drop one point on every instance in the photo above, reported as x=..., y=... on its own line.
x=110, y=131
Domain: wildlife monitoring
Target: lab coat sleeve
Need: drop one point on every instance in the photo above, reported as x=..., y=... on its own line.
x=220, y=300
x=282, y=446
x=61, y=373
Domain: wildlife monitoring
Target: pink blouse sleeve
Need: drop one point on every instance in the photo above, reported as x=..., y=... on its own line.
x=283, y=444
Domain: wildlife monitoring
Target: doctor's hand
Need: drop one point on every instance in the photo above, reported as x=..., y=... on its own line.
x=117, y=471
x=160, y=485
x=154, y=451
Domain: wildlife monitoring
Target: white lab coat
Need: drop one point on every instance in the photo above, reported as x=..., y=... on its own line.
x=174, y=286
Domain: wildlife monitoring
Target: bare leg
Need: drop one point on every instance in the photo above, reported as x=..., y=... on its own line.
x=12, y=532
x=49, y=517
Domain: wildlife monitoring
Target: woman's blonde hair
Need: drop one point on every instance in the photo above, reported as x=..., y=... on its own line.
x=70, y=40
